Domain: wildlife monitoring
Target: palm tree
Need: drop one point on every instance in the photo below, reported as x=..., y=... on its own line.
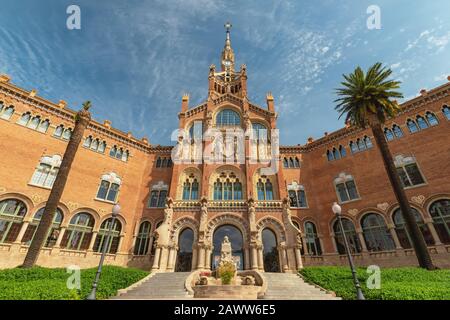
x=366, y=100
x=82, y=119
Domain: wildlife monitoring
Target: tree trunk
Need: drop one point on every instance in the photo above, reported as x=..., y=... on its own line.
x=82, y=120
x=418, y=242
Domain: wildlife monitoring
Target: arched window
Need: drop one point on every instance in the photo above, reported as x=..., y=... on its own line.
x=119, y=153
x=34, y=122
x=125, y=155
x=269, y=190
x=53, y=232
x=412, y=126
x=408, y=171
x=186, y=190
x=361, y=145
x=336, y=154
x=397, y=131
x=353, y=147
x=330, y=155
x=368, y=142
x=342, y=151
x=431, y=118
x=388, y=134
x=346, y=188
x=291, y=163
x=43, y=126
x=45, y=173
x=190, y=188
x=350, y=234
x=109, y=187
x=296, y=163
x=421, y=122
x=227, y=187
x=297, y=196
x=270, y=251
x=67, y=134
x=113, y=151
x=157, y=198
x=440, y=212
x=12, y=212
x=164, y=162
x=79, y=232
x=260, y=190
x=446, y=112
x=58, y=131
x=24, y=119
x=142, y=239
x=184, y=256
x=6, y=112
x=312, y=240
x=376, y=234
x=402, y=232
x=285, y=163
x=101, y=147
x=260, y=132
x=87, y=142
x=227, y=117
x=105, y=238
x=158, y=162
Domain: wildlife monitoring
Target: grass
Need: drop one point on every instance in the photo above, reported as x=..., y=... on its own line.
x=51, y=283
x=395, y=283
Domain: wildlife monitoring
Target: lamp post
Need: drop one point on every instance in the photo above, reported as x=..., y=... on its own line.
x=337, y=211
x=115, y=213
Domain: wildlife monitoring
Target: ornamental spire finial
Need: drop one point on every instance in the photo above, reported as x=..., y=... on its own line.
x=227, y=53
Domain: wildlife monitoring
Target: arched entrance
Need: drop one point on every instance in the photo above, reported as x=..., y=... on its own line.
x=270, y=251
x=184, y=256
x=237, y=243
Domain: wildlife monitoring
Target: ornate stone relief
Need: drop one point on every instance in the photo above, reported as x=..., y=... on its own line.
x=72, y=205
x=383, y=206
x=418, y=199
x=2, y=189
x=353, y=212
x=36, y=198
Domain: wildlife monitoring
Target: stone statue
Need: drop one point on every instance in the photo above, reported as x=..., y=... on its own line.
x=225, y=251
x=252, y=214
x=163, y=231
x=203, y=213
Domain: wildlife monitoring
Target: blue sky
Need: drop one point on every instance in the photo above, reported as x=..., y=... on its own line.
x=134, y=59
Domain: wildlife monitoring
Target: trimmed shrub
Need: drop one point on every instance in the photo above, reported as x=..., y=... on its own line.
x=226, y=272
x=396, y=283
x=50, y=284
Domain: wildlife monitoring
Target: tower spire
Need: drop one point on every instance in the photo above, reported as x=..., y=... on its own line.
x=227, y=53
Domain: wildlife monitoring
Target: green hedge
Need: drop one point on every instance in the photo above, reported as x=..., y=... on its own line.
x=50, y=284
x=396, y=283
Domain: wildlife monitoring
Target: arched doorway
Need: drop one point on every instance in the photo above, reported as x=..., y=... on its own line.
x=270, y=251
x=237, y=242
x=184, y=256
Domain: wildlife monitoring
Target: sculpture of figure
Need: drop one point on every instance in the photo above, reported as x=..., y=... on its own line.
x=203, y=213
x=251, y=213
x=225, y=250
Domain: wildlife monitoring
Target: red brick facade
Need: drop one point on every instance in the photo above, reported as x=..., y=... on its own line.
x=306, y=170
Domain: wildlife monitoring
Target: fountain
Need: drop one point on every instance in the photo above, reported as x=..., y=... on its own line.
x=226, y=282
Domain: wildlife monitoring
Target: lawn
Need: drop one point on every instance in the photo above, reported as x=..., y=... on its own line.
x=50, y=284
x=395, y=283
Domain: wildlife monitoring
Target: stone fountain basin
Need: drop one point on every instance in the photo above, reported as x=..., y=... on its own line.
x=227, y=292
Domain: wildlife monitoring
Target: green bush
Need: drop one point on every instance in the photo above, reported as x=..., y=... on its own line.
x=396, y=283
x=50, y=284
x=226, y=272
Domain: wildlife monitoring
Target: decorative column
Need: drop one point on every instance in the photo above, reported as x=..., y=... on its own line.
x=433, y=232
x=119, y=245
x=254, y=257
x=260, y=258
x=156, y=258
x=91, y=244
x=284, y=261
x=23, y=228
x=298, y=257
x=208, y=257
x=62, y=230
x=171, y=261
x=194, y=258
x=361, y=240
x=394, y=236
x=164, y=257
x=246, y=258
x=201, y=257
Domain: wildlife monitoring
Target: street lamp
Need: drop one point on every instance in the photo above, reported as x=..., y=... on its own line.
x=337, y=211
x=115, y=212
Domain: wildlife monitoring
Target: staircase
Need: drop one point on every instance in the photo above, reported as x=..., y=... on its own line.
x=161, y=286
x=289, y=286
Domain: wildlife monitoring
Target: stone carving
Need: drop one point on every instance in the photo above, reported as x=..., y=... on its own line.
x=163, y=231
x=353, y=212
x=225, y=250
x=72, y=205
x=252, y=214
x=36, y=198
x=248, y=281
x=203, y=213
x=2, y=189
x=418, y=199
x=202, y=281
x=383, y=206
